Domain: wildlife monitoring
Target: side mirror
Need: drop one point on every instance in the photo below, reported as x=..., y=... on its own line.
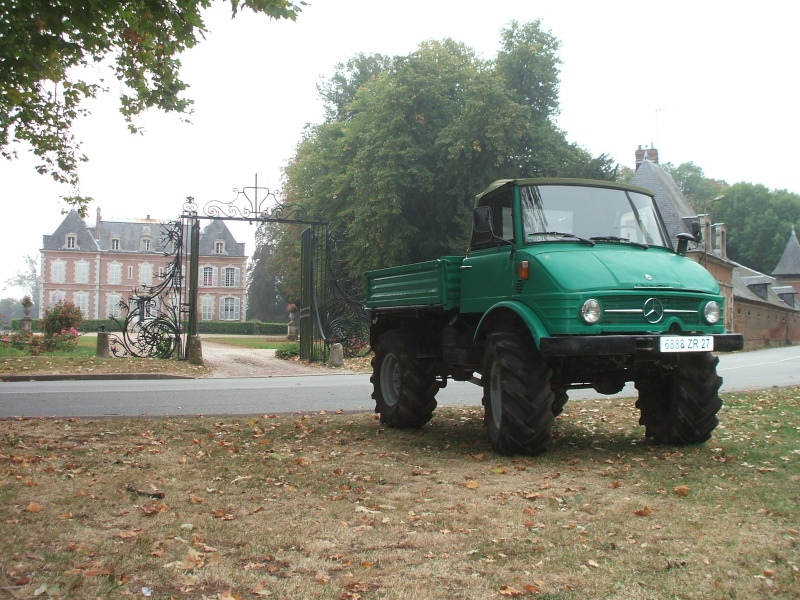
x=697, y=231
x=482, y=219
x=683, y=242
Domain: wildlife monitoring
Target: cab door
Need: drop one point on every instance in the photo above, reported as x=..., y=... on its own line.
x=487, y=273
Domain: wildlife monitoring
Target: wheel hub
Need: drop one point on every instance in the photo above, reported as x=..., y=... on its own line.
x=390, y=379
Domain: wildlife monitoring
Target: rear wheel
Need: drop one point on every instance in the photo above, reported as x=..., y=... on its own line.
x=680, y=405
x=404, y=387
x=517, y=399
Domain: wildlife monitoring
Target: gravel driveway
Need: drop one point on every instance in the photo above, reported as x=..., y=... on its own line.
x=235, y=361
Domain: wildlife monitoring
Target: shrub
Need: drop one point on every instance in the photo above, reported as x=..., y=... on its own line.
x=287, y=351
x=64, y=316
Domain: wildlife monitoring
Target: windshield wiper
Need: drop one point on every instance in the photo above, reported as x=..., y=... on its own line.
x=613, y=238
x=563, y=235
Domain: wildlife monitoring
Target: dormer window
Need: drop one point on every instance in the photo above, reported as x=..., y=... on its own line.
x=115, y=243
x=72, y=241
x=219, y=247
x=146, y=244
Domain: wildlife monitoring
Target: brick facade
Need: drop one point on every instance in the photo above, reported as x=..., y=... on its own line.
x=96, y=267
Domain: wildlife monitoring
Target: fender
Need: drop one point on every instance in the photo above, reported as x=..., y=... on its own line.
x=523, y=311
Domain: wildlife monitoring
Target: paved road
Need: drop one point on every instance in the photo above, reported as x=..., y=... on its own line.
x=261, y=395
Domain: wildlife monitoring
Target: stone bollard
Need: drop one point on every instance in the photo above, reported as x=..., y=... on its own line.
x=194, y=350
x=337, y=355
x=102, y=345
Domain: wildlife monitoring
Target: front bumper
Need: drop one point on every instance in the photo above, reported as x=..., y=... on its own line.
x=611, y=345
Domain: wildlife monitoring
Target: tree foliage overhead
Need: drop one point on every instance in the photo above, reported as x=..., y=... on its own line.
x=46, y=47
x=407, y=142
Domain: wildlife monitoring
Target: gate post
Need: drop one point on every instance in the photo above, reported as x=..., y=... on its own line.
x=194, y=350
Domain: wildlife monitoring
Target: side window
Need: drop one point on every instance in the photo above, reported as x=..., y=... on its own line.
x=502, y=221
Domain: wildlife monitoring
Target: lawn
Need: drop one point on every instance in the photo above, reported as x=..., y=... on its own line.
x=82, y=361
x=336, y=506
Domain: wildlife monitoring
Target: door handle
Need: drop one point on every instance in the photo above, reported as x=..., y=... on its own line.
x=466, y=266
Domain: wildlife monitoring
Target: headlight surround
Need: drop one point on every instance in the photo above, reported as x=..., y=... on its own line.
x=591, y=311
x=711, y=312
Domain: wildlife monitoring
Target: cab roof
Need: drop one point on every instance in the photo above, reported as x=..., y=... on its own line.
x=501, y=183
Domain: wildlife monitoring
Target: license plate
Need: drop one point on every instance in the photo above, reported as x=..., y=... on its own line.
x=687, y=343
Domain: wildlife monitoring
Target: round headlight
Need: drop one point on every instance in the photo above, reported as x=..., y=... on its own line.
x=591, y=311
x=711, y=312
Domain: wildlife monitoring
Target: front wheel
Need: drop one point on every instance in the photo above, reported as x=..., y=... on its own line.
x=517, y=399
x=404, y=387
x=680, y=405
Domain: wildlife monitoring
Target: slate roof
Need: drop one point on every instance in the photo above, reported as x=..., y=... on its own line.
x=673, y=205
x=218, y=231
x=72, y=224
x=789, y=264
x=742, y=277
x=130, y=234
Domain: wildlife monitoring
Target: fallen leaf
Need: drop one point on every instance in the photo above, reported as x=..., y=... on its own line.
x=507, y=590
x=472, y=485
x=593, y=564
x=33, y=507
x=681, y=490
x=643, y=512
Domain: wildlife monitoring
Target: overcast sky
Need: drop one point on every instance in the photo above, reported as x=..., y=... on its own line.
x=714, y=83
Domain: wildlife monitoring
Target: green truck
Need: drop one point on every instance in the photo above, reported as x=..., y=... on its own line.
x=566, y=284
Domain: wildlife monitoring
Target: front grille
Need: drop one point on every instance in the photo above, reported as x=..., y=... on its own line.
x=631, y=310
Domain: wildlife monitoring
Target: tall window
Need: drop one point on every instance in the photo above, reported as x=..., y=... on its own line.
x=219, y=247
x=209, y=277
x=207, y=305
x=115, y=243
x=229, y=309
x=72, y=242
x=82, y=303
x=113, y=305
x=231, y=277
x=81, y=272
x=130, y=272
x=145, y=245
x=115, y=273
x=58, y=271
x=146, y=274
x=56, y=297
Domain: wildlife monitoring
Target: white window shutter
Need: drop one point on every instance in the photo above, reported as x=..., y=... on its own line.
x=236, y=279
x=214, y=278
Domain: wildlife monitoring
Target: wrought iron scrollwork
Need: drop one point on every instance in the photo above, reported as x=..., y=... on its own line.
x=348, y=318
x=155, y=315
x=251, y=203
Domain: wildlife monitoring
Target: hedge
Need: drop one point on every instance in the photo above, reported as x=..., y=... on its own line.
x=219, y=327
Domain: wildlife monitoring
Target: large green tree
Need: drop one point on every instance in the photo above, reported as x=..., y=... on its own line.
x=701, y=191
x=46, y=45
x=759, y=223
x=264, y=292
x=408, y=142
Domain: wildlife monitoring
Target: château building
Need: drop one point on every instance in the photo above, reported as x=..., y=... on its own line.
x=96, y=266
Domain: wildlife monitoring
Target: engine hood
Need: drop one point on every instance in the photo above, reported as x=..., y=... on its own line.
x=605, y=267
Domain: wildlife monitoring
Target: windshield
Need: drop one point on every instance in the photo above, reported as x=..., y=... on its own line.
x=589, y=213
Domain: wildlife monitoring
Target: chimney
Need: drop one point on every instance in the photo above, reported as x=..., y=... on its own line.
x=646, y=154
x=97, y=225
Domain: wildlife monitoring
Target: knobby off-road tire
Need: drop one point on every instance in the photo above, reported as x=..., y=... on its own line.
x=404, y=387
x=517, y=399
x=681, y=406
x=559, y=400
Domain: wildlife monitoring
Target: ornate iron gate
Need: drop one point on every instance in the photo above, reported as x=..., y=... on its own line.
x=159, y=318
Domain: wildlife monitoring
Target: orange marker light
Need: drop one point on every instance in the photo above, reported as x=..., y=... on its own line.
x=523, y=269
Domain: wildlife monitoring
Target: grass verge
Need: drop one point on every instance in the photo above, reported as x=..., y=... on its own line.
x=336, y=506
x=82, y=361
